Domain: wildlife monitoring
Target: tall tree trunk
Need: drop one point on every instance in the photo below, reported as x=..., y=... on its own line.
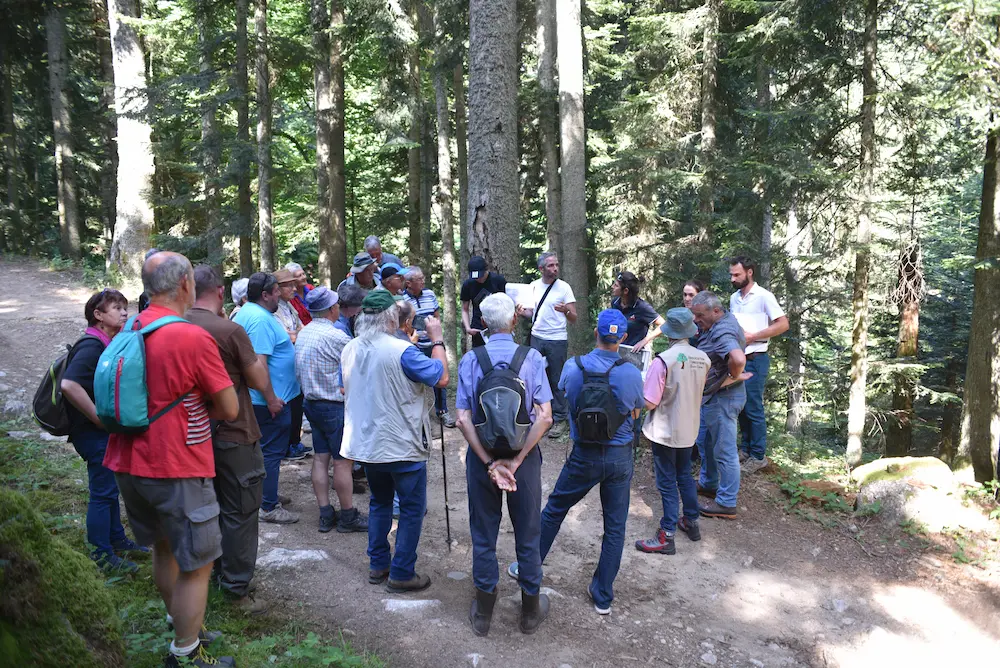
x=951, y=415
x=857, y=408
x=265, y=226
x=107, y=101
x=763, y=132
x=444, y=200
x=415, y=135
x=62, y=133
x=242, y=153
x=462, y=149
x=909, y=292
x=11, y=225
x=709, y=84
x=548, y=119
x=133, y=210
x=799, y=243
x=337, y=246
x=981, y=412
x=428, y=152
x=493, y=162
x=211, y=148
x=573, y=147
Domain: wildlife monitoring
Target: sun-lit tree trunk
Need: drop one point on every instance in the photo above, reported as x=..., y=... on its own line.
x=10, y=227
x=444, y=202
x=243, y=150
x=107, y=123
x=763, y=131
x=461, y=169
x=265, y=225
x=415, y=135
x=336, y=246
x=857, y=408
x=909, y=292
x=572, y=145
x=548, y=118
x=798, y=244
x=709, y=85
x=211, y=147
x=62, y=133
x=981, y=412
x=133, y=211
x=323, y=101
x=428, y=151
x=493, y=162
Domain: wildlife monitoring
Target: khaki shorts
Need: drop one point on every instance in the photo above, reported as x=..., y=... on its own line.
x=184, y=511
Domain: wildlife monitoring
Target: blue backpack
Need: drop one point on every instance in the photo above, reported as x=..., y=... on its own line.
x=120, y=393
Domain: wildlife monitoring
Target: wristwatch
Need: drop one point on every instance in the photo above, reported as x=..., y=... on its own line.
x=438, y=343
x=489, y=464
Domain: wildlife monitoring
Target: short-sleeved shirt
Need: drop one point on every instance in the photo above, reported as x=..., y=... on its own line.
x=420, y=368
x=724, y=336
x=80, y=369
x=548, y=323
x=475, y=292
x=181, y=358
x=758, y=300
x=424, y=305
x=626, y=385
x=639, y=315
x=317, y=360
x=501, y=348
x=270, y=338
x=237, y=354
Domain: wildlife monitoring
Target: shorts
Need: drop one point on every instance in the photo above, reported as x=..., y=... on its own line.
x=184, y=511
x=327, y=420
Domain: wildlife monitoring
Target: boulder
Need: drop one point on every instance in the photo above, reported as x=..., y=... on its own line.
x=917, y=489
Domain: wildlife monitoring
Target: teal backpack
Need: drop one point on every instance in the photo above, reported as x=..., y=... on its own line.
x=120, y=392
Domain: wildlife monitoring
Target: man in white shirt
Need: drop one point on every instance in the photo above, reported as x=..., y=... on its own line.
x=554, y=306
x=762, y=318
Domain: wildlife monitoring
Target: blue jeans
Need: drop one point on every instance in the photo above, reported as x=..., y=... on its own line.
x=104, y=515
x=720, y=467
x=699, y=442
x=274, y=444
x=412, y=489
x=753, y=421
x=485, y=512
x=673, y=472
x=611, y=468
x=555, y=353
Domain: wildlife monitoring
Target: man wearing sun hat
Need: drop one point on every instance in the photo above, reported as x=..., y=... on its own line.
x=673, y=390
x=363, y=273
x=607, y=463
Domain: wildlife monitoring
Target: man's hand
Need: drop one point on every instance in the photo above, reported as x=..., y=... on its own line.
x=274, y=405
x=743, y=377
x=749, y=336
x=560, y=307
x=472, y=331
x=503, y=477
x=524, y=311
x=433, y=328
x=639, y=346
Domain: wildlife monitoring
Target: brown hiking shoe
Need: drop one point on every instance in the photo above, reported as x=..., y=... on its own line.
x=250, y=605
x=706, y=491
x=377, y=577
x=277, y=516
x=416, y=583
x=713, y=509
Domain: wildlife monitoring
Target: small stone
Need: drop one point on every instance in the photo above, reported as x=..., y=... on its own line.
x=565, y=665
x=550, y=592
x=663, y=641
x=475, y=658
x=457, y=575
x=853, y=528
x=404, y=606
x=816, y=551
x=773, y=647
x=757, y=662
x=707, y=645
x=348, y=632
x=678, y=625
x=4, y=387
x=3, y=374
x=709, y=658
x=840, y=605
x=847, y=621
x=689, y=630
x=748, y=562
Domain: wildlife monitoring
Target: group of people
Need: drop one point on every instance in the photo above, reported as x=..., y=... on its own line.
x=366, y=364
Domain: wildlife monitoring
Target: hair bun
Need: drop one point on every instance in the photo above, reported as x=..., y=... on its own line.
x=641, y=279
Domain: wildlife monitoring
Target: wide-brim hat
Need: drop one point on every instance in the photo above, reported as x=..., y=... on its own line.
x=321, y=299
x=361, y=262
x=679, y=324
x=283, y=276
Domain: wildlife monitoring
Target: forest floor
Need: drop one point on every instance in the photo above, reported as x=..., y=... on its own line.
x=777, y=587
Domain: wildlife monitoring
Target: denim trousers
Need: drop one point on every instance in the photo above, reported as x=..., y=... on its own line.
x=274, y=445
x=753, y=421
x=720, y=467
x=104, y=515
x=485, y=512
x=412, y=489
x=295, y=420
x=555, y=353
x=610, y=467
x=672, y=467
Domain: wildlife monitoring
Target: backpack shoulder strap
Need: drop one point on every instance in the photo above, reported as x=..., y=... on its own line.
x=483, y=357
x=519, y=356
x=160, y=322
x=617, y=362
x=580, y=365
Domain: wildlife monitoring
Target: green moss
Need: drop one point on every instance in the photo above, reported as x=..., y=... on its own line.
x=899, y=468
x=55, y=610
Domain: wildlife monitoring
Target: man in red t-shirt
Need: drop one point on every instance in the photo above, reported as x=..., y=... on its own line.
x=165, y=473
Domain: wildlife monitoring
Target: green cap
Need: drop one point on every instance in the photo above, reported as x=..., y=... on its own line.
x=377, y=301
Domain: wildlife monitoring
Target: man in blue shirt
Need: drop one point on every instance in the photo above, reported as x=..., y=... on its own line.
x=607, y=463
x=490, y=473
x=349, y=298
x=274, y=348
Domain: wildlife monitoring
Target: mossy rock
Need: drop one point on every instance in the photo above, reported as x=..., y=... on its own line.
x=929, y=470
x=55, y=610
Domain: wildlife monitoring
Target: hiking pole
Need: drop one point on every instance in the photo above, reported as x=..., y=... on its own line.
x=444, y=472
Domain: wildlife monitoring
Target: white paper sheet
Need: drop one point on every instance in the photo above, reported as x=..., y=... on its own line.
x=521, y=293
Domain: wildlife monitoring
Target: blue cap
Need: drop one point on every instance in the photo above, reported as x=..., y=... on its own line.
x=391, y=269
x=320, y=299
x=611, y=325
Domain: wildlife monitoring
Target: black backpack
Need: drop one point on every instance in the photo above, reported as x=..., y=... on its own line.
x=48, y=408
x=597, y=417
x=501, y=416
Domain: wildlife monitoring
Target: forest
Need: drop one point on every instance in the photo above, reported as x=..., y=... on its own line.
x=850, y=146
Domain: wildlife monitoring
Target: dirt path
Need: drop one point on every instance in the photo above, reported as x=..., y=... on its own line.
x=770, y=589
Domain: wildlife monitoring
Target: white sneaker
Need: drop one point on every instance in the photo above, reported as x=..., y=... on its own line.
x=602, y=611
x=752, y=465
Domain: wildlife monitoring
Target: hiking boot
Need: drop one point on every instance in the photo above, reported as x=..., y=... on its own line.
x=129, y=545
x=327, y=519
x=691, y=528
x=352, y=521
x=558, y=430
x=513, y=571
x=111, y=564
x=284, y=500
x=752, y=465
x=297, y=452
x=250, y=605
x=377, y=577
x=199, y=658
x=277, y=516
x=414, y=584
x=743, y=456
x=359, y=487
x=481, y=613
x=661, y=543
x=534, y=610
x=713, y=509
x=705, y=491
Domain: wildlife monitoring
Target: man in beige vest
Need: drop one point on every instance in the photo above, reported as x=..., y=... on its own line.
x=673, y=391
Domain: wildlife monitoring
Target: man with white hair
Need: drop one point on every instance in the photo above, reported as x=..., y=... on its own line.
x=239, y=294
x=373, y=246
x=500, y=466
x=388, y=430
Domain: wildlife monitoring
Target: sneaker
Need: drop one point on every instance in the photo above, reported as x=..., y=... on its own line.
x=448, y=420
x=129, y=545
x=379, y=576
x=277, y=516
x=414, y=584
x=558, y=430
x=752, y=465
x=111, y=564
x=513, y=571
x=327, y=521
x=198, y=658
x=743, y=456
x=661, y=543
x=250, y=605
x=352, y=521
x=600, y=609
x=691, y=528
x=297, y=452
x=713, y=509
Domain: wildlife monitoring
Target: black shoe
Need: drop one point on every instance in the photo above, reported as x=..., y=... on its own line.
x=113, y=565
x=378, y=577
x=416, y=583
x=199, y=658
x=534, y=610
x=327, y=521
x=481, y=613
x=128, y=545
x=691, y=528
x=352, y=521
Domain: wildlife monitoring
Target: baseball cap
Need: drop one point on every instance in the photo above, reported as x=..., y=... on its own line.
x=361, y=261
x=679, y=324
x=321, y=299
x=477, y=265
x=611, y=325
x=377, y=301
x=391, y=269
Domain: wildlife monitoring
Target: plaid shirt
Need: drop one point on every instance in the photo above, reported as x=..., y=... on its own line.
x=317, y=360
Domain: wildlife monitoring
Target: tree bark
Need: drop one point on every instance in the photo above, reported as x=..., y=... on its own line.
x=265, y=225
x=211, y=148
x=445, y=215
x=799, y=243
x=981, y=411
x=857, y=407
x=573, y=162
x=548, y=119
x=461, y=155
x=709, y=84
x=133, y=211
x=323, y=101
x=428, y=152
x=493, y=162
x=414, y=180
x=243, y=150
x=107, y=103
x=10, y=229
x=763, y=132
x=899, y=430
x=62, y=133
